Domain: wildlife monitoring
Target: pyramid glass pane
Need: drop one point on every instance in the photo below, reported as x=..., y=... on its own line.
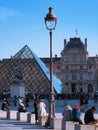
x=30, y=70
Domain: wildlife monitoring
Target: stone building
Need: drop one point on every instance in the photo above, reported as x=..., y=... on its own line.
x=76, y=69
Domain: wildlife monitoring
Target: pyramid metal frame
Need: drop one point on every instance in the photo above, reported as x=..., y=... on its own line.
x=35, y=75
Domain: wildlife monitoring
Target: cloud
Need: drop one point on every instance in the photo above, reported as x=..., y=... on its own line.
x=6, y=13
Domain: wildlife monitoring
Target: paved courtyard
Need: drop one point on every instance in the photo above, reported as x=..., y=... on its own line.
x=16, y=125
x=59, y=105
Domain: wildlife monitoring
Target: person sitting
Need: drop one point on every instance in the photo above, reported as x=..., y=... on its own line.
x=76, y=113
x=21, y=105
x=67, y=113
x=4, y=106
x=89, y=116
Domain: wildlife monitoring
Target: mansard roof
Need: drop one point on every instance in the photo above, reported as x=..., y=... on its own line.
x=74, y=43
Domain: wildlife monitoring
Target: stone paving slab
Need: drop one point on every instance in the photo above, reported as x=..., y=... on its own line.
x=10, y=128
x=17, y=125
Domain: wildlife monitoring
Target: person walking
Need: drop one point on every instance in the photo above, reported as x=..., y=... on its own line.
x=27, y=101
x=42, y=108
x=15, y=100
x=82, y=102
x=86, y=102
x=36, y=102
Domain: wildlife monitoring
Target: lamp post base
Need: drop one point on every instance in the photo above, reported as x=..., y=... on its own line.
x=51, y=110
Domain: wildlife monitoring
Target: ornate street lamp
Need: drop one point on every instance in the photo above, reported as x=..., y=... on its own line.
x=50, y=22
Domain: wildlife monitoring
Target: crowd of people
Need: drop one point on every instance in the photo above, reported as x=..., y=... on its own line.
x=69, y=113
x=22, y=103
x=74, y=114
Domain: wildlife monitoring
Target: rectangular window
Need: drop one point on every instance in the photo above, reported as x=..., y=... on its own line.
x=74, y=77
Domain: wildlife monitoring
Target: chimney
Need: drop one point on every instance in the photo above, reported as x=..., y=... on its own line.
x=55, y=56
x=64, y=42
x=86, y=43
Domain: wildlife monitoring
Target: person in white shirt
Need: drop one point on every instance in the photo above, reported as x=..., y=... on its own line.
x=42, y=108
x=21, y=105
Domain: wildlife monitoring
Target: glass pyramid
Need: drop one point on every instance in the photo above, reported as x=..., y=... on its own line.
x=28, y=68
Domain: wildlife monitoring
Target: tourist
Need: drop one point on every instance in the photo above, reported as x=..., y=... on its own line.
x=21, y=105
x=15, y=100
x=42, y=108
x=89, y=116
x=67, y=113
x=27, y=101
x=82, y=102
x=36, y=102
x=4, y=106
x=76, y=113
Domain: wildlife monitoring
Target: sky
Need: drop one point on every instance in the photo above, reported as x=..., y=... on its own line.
x=22, y=23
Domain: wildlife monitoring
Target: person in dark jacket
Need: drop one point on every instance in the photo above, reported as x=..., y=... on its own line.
x=67, y=113
x=36, y=102
x=76, y=113
x=4, y=106
x=89, y=116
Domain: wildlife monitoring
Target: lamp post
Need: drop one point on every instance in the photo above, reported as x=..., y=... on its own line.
x=50, y=22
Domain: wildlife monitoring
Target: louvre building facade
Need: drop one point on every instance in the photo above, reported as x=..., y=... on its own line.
x=75, y=71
